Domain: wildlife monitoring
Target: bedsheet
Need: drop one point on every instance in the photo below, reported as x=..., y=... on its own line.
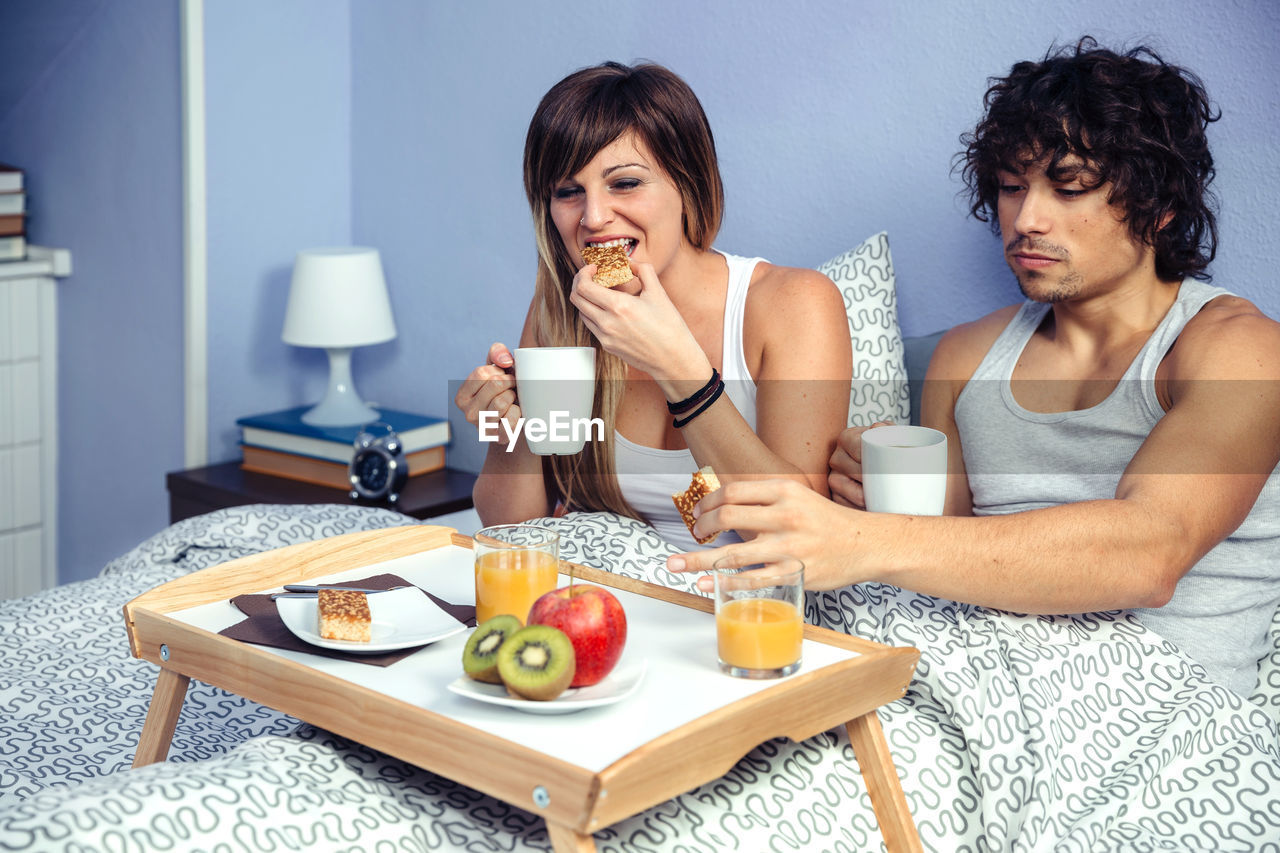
x=1081, y=733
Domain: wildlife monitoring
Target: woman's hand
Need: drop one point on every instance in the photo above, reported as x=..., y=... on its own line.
x=491, y=387
x=845, y=477
x=640, y=326
x=787, y=518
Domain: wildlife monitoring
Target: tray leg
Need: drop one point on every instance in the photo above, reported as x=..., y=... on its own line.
x=162, y=718
x=896, y=824
x=565, y=839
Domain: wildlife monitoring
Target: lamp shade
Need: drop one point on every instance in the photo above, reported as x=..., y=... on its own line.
x=338, y=298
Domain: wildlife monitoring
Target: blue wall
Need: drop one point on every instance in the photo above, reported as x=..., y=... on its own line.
x=278, y=90
x=90, y=110
x=833, y=120
x=399, y=124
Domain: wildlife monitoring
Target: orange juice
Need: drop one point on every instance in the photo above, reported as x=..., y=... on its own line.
x=511, y=581
x=759, y=633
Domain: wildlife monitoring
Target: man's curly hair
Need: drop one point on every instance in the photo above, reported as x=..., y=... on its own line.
x=1136, y=121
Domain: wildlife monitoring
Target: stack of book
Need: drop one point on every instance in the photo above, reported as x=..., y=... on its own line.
x=281, y=444
x=13, y=214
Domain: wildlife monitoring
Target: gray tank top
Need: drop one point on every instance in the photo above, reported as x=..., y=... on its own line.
x=1021, y=460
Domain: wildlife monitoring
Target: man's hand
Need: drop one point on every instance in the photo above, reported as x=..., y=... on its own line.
x=787, y=518
x=845, y=478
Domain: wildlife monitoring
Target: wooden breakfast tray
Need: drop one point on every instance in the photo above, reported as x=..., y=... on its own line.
x=576, y=797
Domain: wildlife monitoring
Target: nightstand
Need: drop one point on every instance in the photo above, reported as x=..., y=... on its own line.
x=200, y=490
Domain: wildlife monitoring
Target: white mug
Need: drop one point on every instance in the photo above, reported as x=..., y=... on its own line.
x=556, y=387
x=904, y=469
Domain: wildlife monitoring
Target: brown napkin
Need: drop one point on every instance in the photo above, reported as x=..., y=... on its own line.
x=264, y=627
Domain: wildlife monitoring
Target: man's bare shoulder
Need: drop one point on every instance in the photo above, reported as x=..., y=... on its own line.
x=1230, y=338
x=962, y=348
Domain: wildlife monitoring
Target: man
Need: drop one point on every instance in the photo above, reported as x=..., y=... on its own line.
x=1117, y=435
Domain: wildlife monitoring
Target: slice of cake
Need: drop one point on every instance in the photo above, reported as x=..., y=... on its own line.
x=704, y=482
x=344, y=615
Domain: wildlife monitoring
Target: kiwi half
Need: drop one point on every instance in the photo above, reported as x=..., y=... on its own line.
x=480, y=655
x=536, y=662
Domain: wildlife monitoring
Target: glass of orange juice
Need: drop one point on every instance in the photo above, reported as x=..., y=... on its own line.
x=515, y=565
x=759, y=616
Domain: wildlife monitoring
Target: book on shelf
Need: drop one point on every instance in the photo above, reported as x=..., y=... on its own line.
x=13, y=248
x=11, y=224
x=11, y=203
x=325, y=472
x=285, y=430
x=10, y=179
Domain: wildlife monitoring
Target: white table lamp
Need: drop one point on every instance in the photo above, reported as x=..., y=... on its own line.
x=338, y=301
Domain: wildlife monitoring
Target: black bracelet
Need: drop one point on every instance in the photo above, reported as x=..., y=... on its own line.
x=696, y=397
x=680, y=423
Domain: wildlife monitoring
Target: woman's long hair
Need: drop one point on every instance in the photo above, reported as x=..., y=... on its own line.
x=578, y=117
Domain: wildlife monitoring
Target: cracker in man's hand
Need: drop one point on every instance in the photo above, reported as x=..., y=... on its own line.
x=612, y=267
x=704, y=483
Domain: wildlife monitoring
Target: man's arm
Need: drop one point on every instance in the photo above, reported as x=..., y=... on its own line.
x=1189, y=486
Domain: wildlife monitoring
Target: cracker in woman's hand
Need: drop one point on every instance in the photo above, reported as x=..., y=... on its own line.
x=612, y=266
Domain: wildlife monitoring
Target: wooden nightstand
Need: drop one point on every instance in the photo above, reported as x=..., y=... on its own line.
x=201, y=490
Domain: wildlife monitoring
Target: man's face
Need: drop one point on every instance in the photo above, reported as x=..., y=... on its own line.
x=1062, y=238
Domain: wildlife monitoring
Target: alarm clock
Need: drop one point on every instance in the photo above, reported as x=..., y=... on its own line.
x=378, y=469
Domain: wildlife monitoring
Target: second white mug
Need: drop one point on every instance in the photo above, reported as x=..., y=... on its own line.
x=904, y=469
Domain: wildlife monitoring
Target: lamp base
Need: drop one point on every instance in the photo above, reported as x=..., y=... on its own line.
x=341, y=405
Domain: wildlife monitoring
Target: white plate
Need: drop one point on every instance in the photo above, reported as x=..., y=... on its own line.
x=614, y=687
x=401, y=618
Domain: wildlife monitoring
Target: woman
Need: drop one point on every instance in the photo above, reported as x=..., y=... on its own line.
x=621, y=153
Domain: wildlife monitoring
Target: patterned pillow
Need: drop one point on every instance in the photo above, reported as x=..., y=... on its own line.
x=865, y=278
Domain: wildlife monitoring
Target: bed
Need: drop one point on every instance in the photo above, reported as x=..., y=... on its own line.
x=1074, y=733
x=1068, y=733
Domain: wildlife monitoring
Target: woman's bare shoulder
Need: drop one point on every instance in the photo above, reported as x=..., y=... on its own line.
x=786, y=305
x=776, y=287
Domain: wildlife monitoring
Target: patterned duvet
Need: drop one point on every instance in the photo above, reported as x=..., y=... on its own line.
x=1083, y=733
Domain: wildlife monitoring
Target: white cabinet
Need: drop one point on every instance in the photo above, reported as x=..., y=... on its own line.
x=29, y=420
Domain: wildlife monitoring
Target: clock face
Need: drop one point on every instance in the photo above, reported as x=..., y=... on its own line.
x=378, y=470
x=373, y=471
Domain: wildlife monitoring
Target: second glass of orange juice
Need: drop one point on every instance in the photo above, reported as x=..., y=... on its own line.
x=759, y=616
x=515, y=565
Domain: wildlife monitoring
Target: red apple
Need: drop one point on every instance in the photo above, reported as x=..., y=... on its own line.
x=593, y=620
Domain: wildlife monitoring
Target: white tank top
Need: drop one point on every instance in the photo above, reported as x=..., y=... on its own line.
x=649, y=476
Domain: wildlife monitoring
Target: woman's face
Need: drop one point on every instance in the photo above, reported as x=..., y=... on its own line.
x=622, y=194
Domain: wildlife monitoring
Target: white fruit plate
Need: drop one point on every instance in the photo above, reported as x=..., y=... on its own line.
x=614, y=687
